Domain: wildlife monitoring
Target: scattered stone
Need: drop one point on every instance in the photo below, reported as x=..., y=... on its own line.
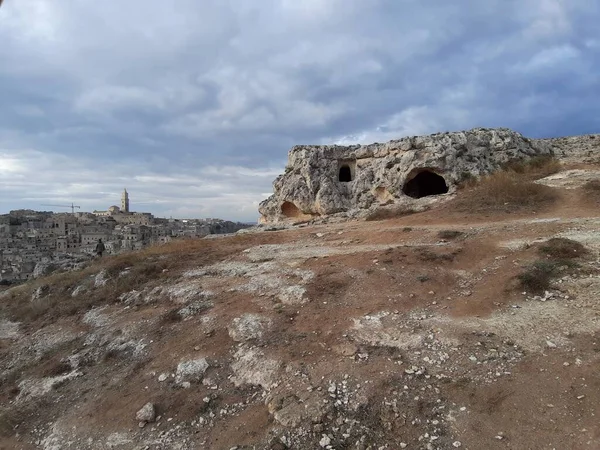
x=40, y=292
x=248, y=327
x=325, y=441
x=146, y=414
x=192, y=370
x=101, y=279
x=78, y=291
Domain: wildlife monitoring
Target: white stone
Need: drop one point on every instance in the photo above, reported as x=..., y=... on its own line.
x=147, y=413
x=248, y=327
x=192, y=370
x=325, y=441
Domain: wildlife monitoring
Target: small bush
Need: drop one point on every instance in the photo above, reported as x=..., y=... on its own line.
x=537, y=277
x=561, y=248
x=450, y=234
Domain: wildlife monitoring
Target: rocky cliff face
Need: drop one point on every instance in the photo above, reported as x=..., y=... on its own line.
x=583, y=149
x=330, y=179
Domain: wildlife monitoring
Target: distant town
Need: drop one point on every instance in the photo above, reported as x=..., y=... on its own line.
x=34, y=243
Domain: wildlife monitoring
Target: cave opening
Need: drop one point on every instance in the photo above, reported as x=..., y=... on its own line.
x=345, y=174
x=424, y=184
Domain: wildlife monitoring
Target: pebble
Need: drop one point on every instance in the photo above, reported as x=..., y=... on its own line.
x=325, y=441
x=456, y=444
x=146, y=414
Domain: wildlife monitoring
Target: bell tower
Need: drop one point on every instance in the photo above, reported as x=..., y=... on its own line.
x=125, y=201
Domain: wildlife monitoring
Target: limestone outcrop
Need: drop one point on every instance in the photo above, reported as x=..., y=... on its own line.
x=324, y=180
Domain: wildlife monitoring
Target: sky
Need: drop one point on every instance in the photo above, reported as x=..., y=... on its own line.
x=193, y=105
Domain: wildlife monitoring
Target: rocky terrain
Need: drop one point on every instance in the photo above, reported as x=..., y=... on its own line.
x=465, y=326
x=355, y=181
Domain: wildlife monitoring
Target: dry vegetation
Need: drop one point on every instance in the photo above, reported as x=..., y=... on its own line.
x=558, y=259
x=562, y=248
x=534, y=168
x=511, y=189
x=125, y=273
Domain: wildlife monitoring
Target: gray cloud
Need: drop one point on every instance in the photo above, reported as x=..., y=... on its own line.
x=193, y=105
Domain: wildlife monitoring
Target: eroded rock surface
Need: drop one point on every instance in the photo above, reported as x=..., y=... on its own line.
x=321, y=180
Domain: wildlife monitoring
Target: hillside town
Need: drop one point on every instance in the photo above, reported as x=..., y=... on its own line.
x=34, y=243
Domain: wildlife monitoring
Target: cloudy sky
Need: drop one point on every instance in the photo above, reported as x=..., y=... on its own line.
x=192, y=105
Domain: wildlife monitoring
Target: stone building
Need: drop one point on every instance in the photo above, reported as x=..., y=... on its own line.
x=125, y=201
x=324, y=180
x=123, y=215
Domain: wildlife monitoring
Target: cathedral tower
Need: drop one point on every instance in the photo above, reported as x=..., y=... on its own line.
x=125, y=201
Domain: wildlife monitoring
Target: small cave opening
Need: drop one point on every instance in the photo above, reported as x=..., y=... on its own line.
x=289, y=210
x=345, y=174
x=424, y=184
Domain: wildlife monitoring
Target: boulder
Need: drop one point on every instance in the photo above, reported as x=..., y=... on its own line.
x=322, y=180
x=43, y=268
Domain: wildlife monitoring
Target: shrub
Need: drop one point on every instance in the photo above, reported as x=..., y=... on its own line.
x=450, y=234
x=536, y=278
x=562, y=248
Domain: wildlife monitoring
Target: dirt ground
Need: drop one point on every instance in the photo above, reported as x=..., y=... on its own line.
x=411, y=332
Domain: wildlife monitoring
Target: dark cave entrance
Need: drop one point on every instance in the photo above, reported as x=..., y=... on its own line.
x=345, y=174
x=424, y=184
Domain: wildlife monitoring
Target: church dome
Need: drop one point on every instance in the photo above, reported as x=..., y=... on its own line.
x=114, y=209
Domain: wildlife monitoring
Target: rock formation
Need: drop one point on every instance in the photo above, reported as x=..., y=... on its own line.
x=323, y=180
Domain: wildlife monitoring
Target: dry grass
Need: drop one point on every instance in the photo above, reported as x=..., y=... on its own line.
x=58, y=302
x=150, y=267
x=505, y=191
x=534, y=168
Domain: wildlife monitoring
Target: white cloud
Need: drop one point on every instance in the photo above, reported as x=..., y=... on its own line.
x=550, y=58
x=547, y=18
